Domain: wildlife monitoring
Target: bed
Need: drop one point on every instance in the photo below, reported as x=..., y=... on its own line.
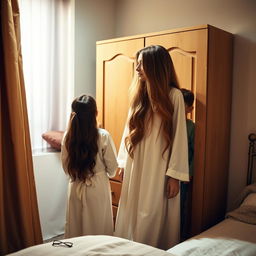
x=234, y=236
x=92, y=245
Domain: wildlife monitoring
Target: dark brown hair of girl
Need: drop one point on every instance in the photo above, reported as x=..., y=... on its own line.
x=82, y=138
x=152, y=95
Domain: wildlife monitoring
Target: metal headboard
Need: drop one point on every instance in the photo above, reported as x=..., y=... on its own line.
x=251, y=158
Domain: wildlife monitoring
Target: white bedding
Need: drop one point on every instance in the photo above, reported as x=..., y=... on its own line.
x=93, y=245
x=228, y=238
x=214, y=247
x=231, y=237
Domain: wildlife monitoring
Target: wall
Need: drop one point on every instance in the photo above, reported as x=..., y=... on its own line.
x=51, y=189
x=94, y=20
x=131, y=17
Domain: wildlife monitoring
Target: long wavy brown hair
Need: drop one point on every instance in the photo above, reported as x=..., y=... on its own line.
x=82, y=139
x=151, y=96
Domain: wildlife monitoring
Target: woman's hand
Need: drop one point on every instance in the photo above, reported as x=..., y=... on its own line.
x=172, y=187
x=120, y=172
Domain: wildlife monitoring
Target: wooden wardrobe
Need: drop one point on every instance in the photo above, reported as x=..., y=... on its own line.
x=202, y=58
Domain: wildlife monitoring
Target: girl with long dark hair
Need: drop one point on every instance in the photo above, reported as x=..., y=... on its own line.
x=89, y=158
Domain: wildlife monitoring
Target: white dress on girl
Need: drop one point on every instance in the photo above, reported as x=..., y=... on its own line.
x=89, y=206
x=145, y=214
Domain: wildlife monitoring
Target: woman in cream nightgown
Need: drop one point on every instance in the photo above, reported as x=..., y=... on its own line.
x=89, y=158
x=153, y=153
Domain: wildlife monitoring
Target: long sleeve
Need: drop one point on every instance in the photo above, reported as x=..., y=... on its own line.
x=64, y=153
x=109, y=156
x=178, y=163
x=122, y=153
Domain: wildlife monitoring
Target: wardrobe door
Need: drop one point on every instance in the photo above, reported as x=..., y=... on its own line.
x=188, y=50
x=115, y=70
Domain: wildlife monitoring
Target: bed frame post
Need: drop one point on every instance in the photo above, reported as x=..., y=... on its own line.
x=251, y=156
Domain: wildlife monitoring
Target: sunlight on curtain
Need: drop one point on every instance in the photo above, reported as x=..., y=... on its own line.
x=47, y=39
x=19, y=217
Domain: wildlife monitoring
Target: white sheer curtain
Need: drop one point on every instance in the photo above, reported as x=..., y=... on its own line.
x=47, y=39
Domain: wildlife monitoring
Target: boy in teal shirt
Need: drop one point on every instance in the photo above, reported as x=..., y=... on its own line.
x=185, y=187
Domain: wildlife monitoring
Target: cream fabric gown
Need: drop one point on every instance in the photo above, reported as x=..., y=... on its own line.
x=145, y=214
x=89, y=207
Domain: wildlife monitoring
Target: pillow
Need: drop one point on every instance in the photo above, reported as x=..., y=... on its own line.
x=250, y=200
x=54, y=138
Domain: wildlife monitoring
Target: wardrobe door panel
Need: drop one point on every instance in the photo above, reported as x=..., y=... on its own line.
x=115, y=70
x=188, y=50
x=219, y=96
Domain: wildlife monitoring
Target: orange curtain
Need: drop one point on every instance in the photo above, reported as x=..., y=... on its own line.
x=19, y=217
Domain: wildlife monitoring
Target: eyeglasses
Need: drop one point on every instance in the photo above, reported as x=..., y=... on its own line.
x=60, y=243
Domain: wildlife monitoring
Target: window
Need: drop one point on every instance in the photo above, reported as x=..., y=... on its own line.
x=47, y=41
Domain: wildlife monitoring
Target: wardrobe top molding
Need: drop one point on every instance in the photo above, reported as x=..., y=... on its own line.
x=176, y=30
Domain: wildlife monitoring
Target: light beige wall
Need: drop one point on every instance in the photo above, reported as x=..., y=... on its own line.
x=235, y=16
x=94, y=20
